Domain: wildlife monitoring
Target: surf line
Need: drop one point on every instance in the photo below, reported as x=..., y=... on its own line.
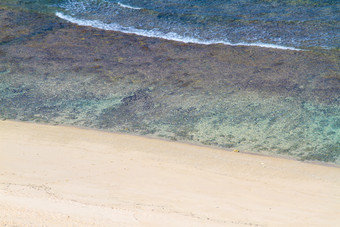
x=127, y=6
x=157, y=34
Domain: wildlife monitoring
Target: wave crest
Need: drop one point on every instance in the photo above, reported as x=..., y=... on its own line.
x=127, y=6
x=157, y=34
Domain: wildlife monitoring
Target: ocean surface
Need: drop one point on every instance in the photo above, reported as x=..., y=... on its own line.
x=300, y=24
x=254, y=75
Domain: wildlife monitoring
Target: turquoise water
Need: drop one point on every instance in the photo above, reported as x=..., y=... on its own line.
x=275, y=100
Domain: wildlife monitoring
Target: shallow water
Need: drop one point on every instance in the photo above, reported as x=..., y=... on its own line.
x=254, y=99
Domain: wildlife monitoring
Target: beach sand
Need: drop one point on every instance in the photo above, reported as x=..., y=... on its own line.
x=66, y=176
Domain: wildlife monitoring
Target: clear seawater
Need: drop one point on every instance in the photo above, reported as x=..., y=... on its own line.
x=282, y=97
x=282, y=23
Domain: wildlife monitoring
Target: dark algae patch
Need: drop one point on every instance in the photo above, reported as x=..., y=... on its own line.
x=248, y=98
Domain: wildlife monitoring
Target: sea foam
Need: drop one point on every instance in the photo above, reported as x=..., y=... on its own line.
x=158, y=34
x=127, y=6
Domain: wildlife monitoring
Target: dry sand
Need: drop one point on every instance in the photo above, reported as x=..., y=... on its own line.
x=65, y=176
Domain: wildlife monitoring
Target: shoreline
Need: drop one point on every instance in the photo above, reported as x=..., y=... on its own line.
x=245, y=98
x=64, y=176
x=285, y=157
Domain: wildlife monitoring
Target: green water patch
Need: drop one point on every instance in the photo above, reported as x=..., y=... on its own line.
x=243, y=120
x=287, y=127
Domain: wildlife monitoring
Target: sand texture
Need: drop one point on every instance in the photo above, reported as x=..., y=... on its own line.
x=64, y=176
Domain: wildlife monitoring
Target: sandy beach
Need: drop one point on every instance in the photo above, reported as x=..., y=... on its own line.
x=65, y=176
x=283, y=103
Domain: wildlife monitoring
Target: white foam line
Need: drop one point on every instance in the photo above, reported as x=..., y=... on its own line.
x=157, y=34
x=127, y=6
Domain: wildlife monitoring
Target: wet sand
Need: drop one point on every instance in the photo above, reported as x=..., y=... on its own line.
x=65, y=176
